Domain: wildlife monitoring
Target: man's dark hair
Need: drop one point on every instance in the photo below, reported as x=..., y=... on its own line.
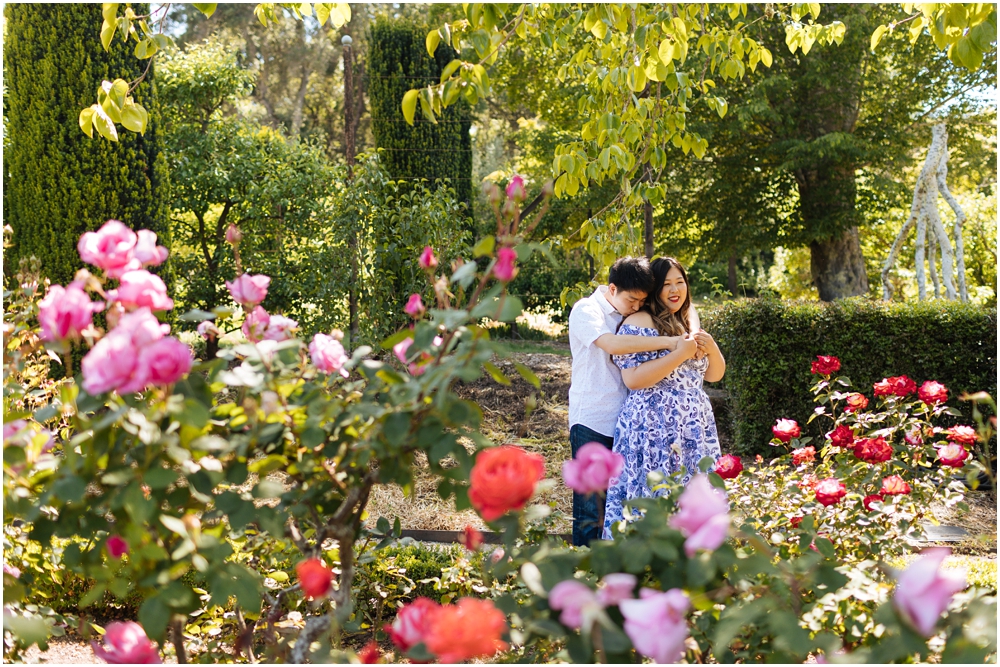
x=632, y=274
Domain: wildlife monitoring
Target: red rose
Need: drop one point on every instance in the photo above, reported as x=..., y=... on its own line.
x=804, y=455
x=728, y=466
x=895, y=486
x=825, y=365
x=314, y=577
x=932, y=392
x=786, y=429
x=873, y=450
x=471, y=538
x=117, y=546
x=868, y=500
x=842, y=436
x=796, y=521
x=855, y=402
x=883, y=388
x=830, y=491
x=503, y=479
x=370, y=655
x=412, y=623
x=895, y=386
x=952, y=455
x=965, y=435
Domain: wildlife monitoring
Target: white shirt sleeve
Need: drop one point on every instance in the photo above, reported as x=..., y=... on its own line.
x=587, y=322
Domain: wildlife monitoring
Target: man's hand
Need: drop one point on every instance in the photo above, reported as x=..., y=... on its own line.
x=687, y=347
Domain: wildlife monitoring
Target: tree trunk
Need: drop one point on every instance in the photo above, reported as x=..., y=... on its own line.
x=732, y=275
x=647, y=211
x=838, y=267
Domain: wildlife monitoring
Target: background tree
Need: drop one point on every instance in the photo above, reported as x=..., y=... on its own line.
x=57, y=182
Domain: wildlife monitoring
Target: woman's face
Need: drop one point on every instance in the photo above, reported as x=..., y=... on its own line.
x=674, y=290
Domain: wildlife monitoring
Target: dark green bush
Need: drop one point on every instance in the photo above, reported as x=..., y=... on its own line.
x=769, y=344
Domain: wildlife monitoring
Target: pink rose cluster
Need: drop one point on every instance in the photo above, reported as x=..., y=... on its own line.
x=260, y=325
x=116, y=249
x=703, y=516
x=579, y=603
x=66, y=312
x=327, y=353
x=136, y=354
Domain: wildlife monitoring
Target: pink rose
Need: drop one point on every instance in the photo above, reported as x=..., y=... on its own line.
x=111, y=248
x=208, y=330
x=126, y=643
x=400, y=349
x=117, y=546
x=415, y=306
x=703, y=516
x=592, y=469
x=656, y=623
x=427, y=259
x=515, y=189
x=573, y=598
x=924, y=590
x=146, y=250
x=786, y=429
x=932, y=392
x=504, y=269
x=139, y=289
x=616, y=588
x=65, y=312
x=142, y=327
x=280, y=328
x=10, y=429
x=328, y=354
x=411, y=623
x=913, y=437
x=255, y=325
x=109, y=364
x=12, y=571
x=249, y=290
x=952, y=455
x=233, y=234
x=165, y=361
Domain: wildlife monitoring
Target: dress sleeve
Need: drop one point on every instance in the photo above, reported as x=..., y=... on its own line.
x=624, y=361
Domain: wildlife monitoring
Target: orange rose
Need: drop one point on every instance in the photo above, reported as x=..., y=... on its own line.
x=314, y=577
x=469, y=629
x=504, y=479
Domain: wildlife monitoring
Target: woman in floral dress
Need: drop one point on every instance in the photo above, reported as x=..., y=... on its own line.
x=667, y=420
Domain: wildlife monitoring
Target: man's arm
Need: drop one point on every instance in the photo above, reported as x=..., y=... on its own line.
x=629, y=344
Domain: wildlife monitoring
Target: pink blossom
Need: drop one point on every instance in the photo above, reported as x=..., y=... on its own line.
x=703, y=516
x=146, y=250
x=233, y=234
x=10, y=429
x=515, y=189
x=427, y=259
x=280, y=328
x=496, y=555
x=142, y=327
x=924, y=590
x=400, y=349
x=656, y=623
x=141, y=288
x=249, y=290
x=110, y=363
x=573, y=598
x=11, y=571
x=117, y=546
x=256, y=324
x=208, y=330
x=165, y=361
x=412, y=623
x=65, y=312
x=110, y=248
x=592, y=469
x=504, y=269
x=415, y=306
x=616, y=588
x=328, y=354
x=126, y=643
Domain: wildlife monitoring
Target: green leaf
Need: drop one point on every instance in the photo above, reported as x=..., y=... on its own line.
x=496, y=374
x=105, y=126
x=108, y=33
x=483, y=248
x=410, y=105
x=145, y=49
x=134, y=118
x=433, y=39
x=267, y=464
x=174, y=525
x=87, y=121
x=207, y=8
x=268, y=489
x=765, y=57
x=153, y=616
x=27, y=629
x=878, y=35
x=528, y=375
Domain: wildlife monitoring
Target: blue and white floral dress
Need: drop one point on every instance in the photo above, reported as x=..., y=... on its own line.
x=660, y=428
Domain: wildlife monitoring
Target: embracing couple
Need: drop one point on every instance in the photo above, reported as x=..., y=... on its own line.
x=639, y=360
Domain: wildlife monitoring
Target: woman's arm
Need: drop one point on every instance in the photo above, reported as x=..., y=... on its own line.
x=651, y=372
x=716, y=362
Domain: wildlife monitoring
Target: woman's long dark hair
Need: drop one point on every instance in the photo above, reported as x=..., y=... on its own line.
x=667, y=323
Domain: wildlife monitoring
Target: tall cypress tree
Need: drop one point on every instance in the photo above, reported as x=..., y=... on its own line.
x=397, y=62
x=59, y=183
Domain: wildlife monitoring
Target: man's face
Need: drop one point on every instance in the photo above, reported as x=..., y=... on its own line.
x=624, y=302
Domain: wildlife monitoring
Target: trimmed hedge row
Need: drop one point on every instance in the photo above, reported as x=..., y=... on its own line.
x=769, y=344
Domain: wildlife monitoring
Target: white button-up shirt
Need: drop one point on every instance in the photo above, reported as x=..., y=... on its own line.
x=596, y=391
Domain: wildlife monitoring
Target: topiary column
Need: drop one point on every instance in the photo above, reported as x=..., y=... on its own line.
x=57, y=182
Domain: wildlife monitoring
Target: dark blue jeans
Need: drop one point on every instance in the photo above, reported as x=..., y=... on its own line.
x=588, y=510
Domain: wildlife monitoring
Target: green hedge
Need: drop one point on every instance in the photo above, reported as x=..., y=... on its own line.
x=769, y=344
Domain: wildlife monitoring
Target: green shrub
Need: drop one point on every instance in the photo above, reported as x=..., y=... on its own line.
x=769, y=344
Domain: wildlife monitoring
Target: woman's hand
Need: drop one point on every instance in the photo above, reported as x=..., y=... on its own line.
x=705, y=341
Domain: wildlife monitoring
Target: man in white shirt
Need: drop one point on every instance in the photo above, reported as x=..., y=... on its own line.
x=596, y=392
